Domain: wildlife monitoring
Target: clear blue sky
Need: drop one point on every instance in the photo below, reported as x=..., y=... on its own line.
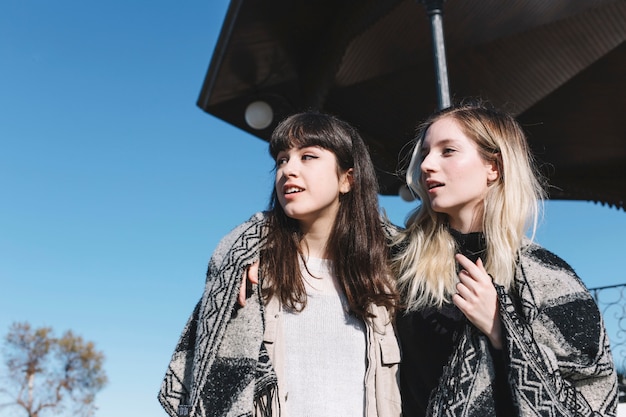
x=116, y=187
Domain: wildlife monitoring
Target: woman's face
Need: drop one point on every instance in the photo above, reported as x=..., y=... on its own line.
x=454, y=175
x=308, y=185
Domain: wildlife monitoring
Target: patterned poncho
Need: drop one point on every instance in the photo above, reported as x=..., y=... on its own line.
x=220, y=366
x=556, y=348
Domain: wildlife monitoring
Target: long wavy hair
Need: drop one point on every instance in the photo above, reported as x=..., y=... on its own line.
x=357, y=244
x=426, y=268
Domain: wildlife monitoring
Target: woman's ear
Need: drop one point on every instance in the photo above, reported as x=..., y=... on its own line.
x=345, y=181
x=493, y=168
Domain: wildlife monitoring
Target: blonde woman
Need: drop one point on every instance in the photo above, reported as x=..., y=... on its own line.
x=494, y=325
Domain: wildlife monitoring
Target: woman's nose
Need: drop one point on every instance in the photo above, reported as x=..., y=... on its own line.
x=289, y=168
x=427, y=163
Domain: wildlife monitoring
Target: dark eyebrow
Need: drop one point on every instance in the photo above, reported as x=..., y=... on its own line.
x=309, y=146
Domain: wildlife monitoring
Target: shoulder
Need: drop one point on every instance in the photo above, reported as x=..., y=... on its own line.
x=246, y=235
x=256, y=220
x=544, y=270
x=537, y=254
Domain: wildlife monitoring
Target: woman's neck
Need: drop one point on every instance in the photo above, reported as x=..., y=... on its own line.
x=471, y=224
x=467, y=219
x=315, y=237
x=315, y=245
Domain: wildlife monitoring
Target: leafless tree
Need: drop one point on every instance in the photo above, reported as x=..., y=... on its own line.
x=50, y=375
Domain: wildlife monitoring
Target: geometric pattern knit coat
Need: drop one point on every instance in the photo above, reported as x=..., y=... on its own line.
x=557, y=352
x=220, y=366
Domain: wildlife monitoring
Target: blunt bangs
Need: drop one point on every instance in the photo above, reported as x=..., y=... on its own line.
x=313, y=129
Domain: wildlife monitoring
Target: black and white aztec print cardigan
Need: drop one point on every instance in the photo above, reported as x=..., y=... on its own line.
x=220, y=366
x=559, y=359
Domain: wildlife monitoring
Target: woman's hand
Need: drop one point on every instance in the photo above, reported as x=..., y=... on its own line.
x=477, y=298
x=252, y=275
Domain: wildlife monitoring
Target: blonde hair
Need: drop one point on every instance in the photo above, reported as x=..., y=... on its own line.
x=425, y=267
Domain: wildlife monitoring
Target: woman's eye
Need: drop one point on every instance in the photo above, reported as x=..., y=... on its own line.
x=448, y=151
x=307, y=157
x=280, y=161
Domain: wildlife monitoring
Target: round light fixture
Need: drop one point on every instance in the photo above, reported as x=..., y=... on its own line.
x=259, y=115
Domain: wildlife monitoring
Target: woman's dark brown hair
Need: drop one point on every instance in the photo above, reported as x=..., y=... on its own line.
x=357, y=243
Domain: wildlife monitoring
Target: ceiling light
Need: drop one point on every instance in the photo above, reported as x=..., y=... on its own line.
x=259, y=115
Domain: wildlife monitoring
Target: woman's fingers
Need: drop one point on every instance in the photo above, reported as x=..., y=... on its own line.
x=241, y=298
x=251, y=274
x=476, y=297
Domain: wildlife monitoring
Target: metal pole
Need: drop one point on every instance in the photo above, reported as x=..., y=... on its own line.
x=434, y=8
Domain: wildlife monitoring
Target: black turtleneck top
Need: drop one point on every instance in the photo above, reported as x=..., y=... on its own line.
x=428, y=338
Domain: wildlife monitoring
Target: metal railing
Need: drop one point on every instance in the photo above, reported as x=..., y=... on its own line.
x=611, y=301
